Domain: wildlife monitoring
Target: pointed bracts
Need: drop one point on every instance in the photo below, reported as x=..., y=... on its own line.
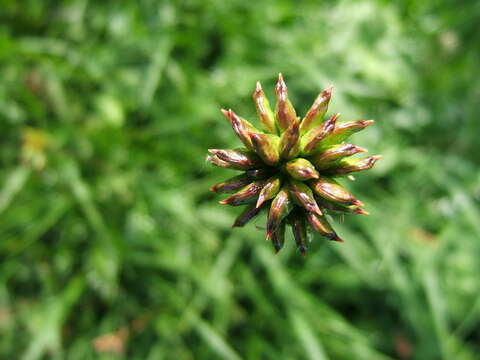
x=231, y=184
x=266, y=146
x=241, y=127
x=278, y=237
x=213, y=159
x=264, y=111
x=347, y=166
x=285, y=112
x=290, y=141
x=315, y=114
x=344, y=129
x=280, y=208
x=247, y=214
x=299, y=230
x=301, y=169
x=269, y=191
x=302, y=195
x=247, y=194
x=321, y=225
x=290, y=167
x=312, y=140
x=330, y=155
x=239, y=158
x=331, y=190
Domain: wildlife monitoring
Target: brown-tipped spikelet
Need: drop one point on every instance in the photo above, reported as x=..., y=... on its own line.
x=289, y=168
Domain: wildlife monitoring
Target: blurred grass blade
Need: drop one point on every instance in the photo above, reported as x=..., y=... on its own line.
x=13, y=184
x=313, y=347
x=218, y=344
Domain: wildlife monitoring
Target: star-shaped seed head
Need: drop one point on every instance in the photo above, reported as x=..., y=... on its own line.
x=290, y=167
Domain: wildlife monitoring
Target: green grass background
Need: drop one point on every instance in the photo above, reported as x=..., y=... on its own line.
x=112, y=247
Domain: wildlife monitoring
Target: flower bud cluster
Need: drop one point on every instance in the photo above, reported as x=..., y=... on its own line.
x=290, y=167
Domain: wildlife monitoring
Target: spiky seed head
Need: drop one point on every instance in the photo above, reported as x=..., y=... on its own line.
x=290, y=168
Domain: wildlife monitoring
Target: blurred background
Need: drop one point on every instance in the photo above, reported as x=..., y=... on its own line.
x=111, y=245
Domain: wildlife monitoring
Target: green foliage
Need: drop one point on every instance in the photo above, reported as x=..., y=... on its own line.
x=111, y=240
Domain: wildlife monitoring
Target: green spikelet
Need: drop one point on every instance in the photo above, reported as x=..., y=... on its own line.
x=290, y=168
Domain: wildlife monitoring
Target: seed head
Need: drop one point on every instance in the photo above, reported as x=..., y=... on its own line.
x=290, y=168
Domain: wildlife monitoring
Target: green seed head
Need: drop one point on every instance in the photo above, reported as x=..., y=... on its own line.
x=289, y=168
